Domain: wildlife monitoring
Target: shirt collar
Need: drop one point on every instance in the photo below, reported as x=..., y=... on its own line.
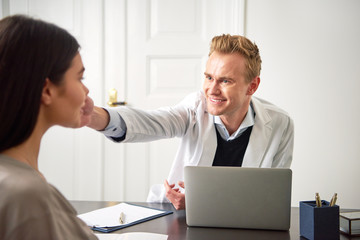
x=248, y=121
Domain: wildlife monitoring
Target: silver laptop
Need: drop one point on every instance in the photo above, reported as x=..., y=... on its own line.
x=238, y=197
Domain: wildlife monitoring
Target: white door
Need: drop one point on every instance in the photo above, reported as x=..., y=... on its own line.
x=166, y=47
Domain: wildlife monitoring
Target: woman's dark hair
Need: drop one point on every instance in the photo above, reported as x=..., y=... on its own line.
x=30, y=51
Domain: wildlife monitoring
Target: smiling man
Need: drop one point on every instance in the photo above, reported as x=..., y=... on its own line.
x=222, y=125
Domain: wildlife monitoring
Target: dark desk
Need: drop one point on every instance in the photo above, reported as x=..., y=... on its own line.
x=174, y=225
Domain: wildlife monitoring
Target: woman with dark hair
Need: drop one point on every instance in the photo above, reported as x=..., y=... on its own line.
x=40, y=86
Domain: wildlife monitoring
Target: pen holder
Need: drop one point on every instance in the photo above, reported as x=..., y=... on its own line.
x=317, y=223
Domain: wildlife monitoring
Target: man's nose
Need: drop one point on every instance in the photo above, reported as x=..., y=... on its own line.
x=214, y=87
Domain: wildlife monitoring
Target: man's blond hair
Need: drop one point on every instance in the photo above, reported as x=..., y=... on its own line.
x=227, y=44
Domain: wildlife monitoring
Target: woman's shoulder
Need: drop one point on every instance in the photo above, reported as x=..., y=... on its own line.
x=21, y=184
x=28, y=203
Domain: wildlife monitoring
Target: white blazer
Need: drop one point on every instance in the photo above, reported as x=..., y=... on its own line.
x=270, y=144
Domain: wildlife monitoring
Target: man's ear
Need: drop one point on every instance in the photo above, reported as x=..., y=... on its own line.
x=253, y=86
x=48, y=92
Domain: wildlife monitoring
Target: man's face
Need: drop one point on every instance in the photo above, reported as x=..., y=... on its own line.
x=227, y=93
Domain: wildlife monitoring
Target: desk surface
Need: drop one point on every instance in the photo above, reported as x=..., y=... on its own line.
x=174, y=225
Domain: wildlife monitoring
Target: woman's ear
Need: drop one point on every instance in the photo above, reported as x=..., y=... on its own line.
x=47, y=93
x=253, y=86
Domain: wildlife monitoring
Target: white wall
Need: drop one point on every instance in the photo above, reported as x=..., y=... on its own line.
x=311, y=68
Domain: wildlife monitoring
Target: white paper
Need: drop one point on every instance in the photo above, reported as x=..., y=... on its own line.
x=110, y=216
x=132, y=236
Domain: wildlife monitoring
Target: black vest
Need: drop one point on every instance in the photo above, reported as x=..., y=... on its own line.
x=231, y=153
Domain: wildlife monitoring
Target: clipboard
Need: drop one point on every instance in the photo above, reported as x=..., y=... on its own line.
x=86, y=217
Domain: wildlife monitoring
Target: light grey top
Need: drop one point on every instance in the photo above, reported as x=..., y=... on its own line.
x=31, y=208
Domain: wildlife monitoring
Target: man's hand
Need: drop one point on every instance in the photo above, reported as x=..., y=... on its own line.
x=93, y=116
x=87, y=110
x=174, y=195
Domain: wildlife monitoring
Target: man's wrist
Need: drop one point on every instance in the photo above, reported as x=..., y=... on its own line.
x=100, y=118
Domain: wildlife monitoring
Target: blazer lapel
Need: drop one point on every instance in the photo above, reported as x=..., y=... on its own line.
x=209, y=141
x=259, y=138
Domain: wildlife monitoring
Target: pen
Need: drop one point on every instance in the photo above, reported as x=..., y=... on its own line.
x=318, y=200
x=333, y=200
x=122, y=218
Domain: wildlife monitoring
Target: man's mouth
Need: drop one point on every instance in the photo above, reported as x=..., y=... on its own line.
x=216, y=100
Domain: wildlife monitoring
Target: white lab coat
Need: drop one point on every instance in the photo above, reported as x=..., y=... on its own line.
x=270, y=144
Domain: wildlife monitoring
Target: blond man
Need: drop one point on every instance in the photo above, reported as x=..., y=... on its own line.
x=222, y=125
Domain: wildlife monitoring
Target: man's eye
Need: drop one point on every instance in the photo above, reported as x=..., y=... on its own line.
x=225, y=81
x=208, y=77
